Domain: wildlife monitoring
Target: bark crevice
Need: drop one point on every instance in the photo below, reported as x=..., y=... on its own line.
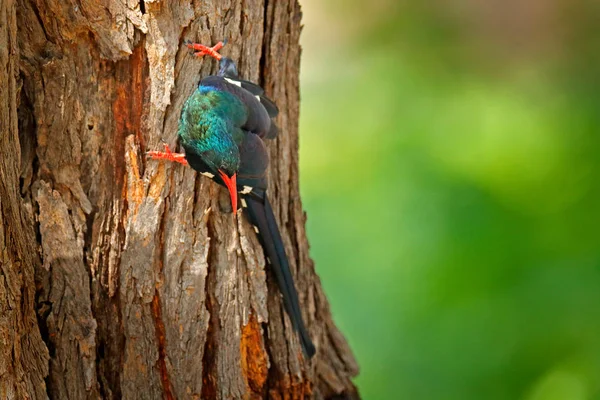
x=209, y=382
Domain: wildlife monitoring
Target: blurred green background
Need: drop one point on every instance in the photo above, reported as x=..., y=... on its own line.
x=449, y=170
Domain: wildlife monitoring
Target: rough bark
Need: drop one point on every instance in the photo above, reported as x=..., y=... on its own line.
x=132, y=272
x=23, y=355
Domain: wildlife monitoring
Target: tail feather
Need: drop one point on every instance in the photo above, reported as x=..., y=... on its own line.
x=261, y=216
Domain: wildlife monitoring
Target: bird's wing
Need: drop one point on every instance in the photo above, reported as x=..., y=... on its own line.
x=260, y=108
x=254, y=160
x=256, y=90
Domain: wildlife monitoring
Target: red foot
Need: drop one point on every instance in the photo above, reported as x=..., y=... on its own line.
x=202, y=50
x=167, y=155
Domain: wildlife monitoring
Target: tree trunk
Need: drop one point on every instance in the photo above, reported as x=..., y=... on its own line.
x=123, y=278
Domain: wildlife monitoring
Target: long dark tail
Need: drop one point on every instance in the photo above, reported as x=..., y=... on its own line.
x=261, y=216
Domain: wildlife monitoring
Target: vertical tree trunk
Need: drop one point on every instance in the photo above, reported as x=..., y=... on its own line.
x=143, y=287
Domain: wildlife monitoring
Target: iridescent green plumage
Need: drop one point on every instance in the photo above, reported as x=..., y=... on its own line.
x=210, y=127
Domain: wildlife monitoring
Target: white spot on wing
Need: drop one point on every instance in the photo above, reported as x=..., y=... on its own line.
x=246, y=189
x=255, y=228
x=208, y=174
x=236, y=83
x=244, y=204
x=257, y=97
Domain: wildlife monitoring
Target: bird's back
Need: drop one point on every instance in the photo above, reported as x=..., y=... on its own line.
x=206, y=113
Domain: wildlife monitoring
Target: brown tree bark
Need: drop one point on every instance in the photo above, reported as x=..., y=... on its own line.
x=123, y=278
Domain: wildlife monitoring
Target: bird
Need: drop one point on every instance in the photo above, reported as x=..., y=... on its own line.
x=221, y=129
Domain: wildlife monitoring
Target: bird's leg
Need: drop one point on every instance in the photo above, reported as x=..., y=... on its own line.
x=202, y=50
x=167, y=155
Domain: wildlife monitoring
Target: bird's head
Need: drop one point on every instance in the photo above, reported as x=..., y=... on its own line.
x=225, y=161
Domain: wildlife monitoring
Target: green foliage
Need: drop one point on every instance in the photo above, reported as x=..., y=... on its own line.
x=454, y=215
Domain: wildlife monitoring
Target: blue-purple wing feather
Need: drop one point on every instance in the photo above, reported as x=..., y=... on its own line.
x=259, y=116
